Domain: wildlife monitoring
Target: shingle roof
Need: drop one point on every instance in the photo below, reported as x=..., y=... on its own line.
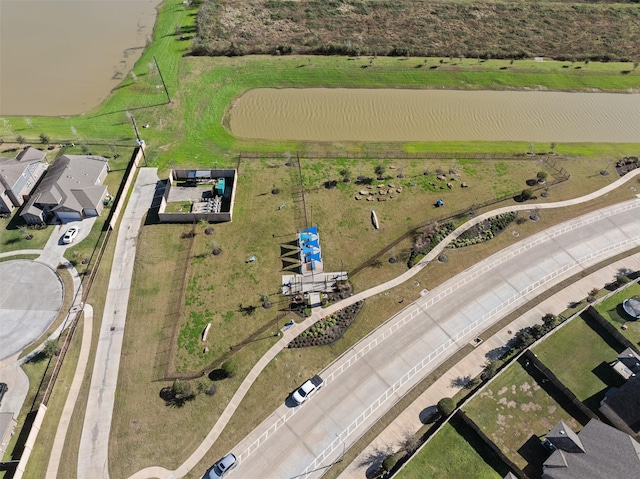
x=12, y=168
x=70, y=183
x=608, y=453
x=625, y=403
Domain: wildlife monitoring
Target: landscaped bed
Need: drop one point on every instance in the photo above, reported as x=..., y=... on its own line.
x=328, y=329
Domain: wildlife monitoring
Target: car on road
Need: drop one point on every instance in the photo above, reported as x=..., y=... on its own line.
x=307, y=389
x=221, y=467
x=70, y=235
x=3, y=389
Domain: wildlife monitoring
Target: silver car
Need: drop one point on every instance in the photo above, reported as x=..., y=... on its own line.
x=221, y=467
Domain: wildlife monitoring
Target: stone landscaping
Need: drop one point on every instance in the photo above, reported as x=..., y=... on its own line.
x=328, y=329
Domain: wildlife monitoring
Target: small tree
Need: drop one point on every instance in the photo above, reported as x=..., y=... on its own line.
x=549, y=321
x=446, y=406
x=553, y=147
x=21, y=140
x=50, y=348
x=229, y=367
x=526, y=194
x=44, y=139
x=541, y=175
x=389, y=462
x=380, y=170
x=180, y=388
x=410, y=442
x=346, y=174
x=489, y=370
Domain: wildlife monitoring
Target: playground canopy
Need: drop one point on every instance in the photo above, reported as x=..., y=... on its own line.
x=309, y=242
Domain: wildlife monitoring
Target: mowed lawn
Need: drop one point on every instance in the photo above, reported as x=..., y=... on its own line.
x=515, y=412
x=579, y=357
x=611, y=310
x=451, y=454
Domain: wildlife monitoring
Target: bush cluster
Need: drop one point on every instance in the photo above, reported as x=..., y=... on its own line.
x=484, y=231
x=328, y=329
x=427, y=240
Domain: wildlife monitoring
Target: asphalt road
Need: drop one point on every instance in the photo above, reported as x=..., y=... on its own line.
x=363, y=384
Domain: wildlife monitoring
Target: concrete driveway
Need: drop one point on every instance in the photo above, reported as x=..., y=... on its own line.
x=365, y=382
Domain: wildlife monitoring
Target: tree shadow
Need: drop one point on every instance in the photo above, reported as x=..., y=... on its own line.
x=429, y=415
x=247, y=310
x=175, y=400
x=218, y=374
x=460, y=381
x=373, y=459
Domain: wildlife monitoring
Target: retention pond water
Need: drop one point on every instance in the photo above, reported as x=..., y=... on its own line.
x=387, y=115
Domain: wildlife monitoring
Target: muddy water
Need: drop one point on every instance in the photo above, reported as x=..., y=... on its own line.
x=63, y=57
x=321, y=114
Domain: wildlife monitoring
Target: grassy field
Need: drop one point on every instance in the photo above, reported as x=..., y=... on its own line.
x=450, y=29
x=578, y=355
x=611, y=310
x=514, y=411
x=455, y=451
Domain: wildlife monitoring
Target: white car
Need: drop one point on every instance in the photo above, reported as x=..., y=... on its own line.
x=70, y=235
x=221, y=467
x=308, y=388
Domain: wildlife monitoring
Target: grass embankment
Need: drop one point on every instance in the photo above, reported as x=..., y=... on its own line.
x=421, y=28
x=611, y=310
x=514, y=412
x=579, y=356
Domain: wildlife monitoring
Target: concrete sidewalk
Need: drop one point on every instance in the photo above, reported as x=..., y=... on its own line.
x=94, y=443
x=408, y=422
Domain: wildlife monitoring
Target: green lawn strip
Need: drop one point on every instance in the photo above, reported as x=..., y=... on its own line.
x=20, y=256
x=13, y=234
x=39, y=459
x=452, y=452
x=611, y=310
x=579, y=357
x=514, y=411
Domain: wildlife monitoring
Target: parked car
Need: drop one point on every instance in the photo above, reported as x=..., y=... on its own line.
x=3, y=389
x=221, y=467
x=70, y=235
x=307, y=389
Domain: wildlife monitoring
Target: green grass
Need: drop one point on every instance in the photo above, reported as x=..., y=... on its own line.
x=611, y=310
x=579, y=357
x=514, y=412
x=451, y=454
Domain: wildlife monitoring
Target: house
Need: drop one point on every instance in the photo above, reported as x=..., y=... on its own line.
x=598, y=451
x=18, y=177
x=621, y=406
x=71, y=190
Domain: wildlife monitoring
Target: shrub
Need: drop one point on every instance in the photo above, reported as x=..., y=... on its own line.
x=541, y=175
x=229, y=367
x=180, y=388
x=389, y=462
x=446, y=406
x=51, y=347
x=526, y=194
x=622, y=279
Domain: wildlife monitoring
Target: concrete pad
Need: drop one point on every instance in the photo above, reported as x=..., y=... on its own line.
x=30, y=298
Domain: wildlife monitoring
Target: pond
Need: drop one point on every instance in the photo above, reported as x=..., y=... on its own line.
x=387, y=115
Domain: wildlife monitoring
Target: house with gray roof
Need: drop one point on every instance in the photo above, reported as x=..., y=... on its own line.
x=621, y=406
x=18, y=177
x=627, y=364
x=598, y=451
x=71, y=190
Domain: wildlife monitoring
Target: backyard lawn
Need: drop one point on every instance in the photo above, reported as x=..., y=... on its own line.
x=515, y=412
x=451, y=454
x=611, y=310
x=579, y=357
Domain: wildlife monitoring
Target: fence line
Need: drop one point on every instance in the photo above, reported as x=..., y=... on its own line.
x=387, y=154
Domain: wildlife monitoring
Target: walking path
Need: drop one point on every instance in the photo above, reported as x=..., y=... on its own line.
x=74, y=391
x=201, y=450
x=409, y=421
x=93, y=453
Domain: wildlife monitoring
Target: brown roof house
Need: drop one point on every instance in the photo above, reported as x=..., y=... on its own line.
x=18, y=177
x=621, y=406
x=599, y=451
x=71, y=190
